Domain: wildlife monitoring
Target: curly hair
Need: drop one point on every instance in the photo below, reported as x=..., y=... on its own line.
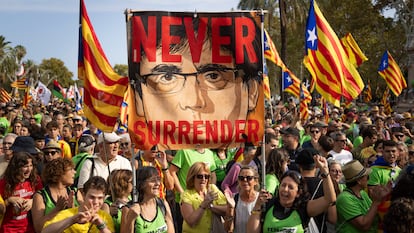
x=55, y=169
x=118, y=183
x=304, y=196
x=195, y=169
x=19, y=160
x=275, y=160
x=142, y=175
x=400, y=216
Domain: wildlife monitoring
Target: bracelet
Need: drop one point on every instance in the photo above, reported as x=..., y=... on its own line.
x=254, y=212
x=101, y=226
x=202, y=207
x=332, y=203
x=164, y=169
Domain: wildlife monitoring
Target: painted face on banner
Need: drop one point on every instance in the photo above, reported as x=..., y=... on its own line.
x=190, y=101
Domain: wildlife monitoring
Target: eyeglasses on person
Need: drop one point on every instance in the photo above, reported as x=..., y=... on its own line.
x=209, y=79
x=245, y=178
x=201, y=176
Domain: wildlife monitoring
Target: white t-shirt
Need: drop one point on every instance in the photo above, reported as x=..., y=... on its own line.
x=101, y=169
x=342, y=157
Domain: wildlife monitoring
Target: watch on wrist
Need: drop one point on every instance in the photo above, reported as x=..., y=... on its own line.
x=324, y=175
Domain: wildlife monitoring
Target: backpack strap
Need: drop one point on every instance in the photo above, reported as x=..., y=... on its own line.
x=160, y=203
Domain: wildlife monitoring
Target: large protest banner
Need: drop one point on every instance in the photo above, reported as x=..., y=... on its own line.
x=195, y=79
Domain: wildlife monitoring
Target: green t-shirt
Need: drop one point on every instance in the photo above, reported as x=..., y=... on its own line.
x=348, y=207
x=272, y=183
x=5, y=124
x=157, y=224
x=293, y=223
x=187, y=157
x=380, y=175
x=221, y=165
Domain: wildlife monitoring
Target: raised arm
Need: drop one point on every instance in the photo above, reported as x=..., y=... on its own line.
x=320, y=205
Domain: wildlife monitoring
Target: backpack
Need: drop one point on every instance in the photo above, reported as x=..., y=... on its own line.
x=78, y=161
x=79, y=166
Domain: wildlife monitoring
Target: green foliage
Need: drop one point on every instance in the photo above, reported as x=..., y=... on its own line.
x=56, y=69
x=121, y=69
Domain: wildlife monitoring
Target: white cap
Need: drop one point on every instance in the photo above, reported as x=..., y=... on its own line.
x=109, y=137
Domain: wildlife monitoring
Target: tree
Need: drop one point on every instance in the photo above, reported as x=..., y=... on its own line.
x=121, y=69
x=55, y=68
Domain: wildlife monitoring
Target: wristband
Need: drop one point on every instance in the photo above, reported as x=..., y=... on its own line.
x=101, y=226
x=164, y=169
x=254, y=212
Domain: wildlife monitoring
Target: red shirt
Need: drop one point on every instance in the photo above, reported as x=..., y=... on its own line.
x=15, y=222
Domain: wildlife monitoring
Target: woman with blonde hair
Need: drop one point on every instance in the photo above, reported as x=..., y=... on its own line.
x=240, y=206
x=201, y=200
x=120, y=188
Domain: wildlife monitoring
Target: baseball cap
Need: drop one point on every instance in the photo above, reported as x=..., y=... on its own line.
x=305, y=156
x=86, y=140
x=109, y=137
x=290, y=130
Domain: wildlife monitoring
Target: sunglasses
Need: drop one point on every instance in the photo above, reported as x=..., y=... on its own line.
x=51, y=152
x=293, y=173
x=411, y=152
x=399, y=135
x=314, y=131
x=245, y=178
x=124, y=144
x=201, y=176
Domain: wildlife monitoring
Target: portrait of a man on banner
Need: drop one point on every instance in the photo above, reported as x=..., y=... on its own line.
x=196, y=79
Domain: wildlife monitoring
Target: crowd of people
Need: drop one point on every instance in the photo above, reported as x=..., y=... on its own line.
x=351, y=171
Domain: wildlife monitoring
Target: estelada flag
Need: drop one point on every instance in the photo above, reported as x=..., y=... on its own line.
x=391, y=72
x=333, y=74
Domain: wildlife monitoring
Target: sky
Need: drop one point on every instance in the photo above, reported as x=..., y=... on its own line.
x=49, y=28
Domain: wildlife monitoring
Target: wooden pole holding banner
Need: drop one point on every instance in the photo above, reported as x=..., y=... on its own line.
x=134, y=176
x=263, y=185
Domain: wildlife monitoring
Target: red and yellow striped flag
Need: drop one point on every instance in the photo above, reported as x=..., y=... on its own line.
x=20, y=83
x=385, y=101
x=391, y=72
x=4, y=96
x=352, y=50
x=103, y=88
x=368, y=93
x=270, y=51
x=332, y=72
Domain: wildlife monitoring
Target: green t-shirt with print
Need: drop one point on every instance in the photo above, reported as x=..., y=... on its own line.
x=348, y=207
x=293, y=223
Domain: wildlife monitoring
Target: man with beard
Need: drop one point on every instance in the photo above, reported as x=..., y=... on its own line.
x=290, y=138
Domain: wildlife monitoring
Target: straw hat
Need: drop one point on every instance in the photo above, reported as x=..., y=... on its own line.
x=354, y=170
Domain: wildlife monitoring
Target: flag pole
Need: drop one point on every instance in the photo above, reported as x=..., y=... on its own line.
x=134, y=175
x=263, y=67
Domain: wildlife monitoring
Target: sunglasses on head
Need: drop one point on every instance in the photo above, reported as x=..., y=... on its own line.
x=246, y=178
x=51, y=152
x=201, y=176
